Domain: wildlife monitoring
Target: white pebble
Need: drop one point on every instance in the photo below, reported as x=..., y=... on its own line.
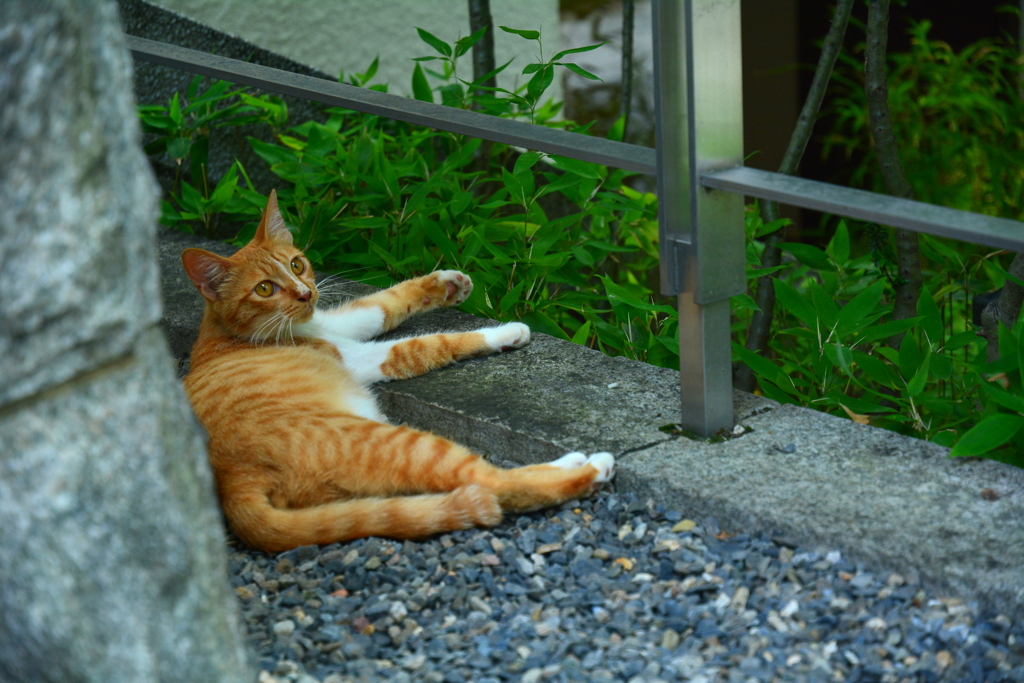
x=875, y=623
x=738, y=429
x=532, y=675
x=613, y=385
x=398, y=611
x=284, y=628
x=834, y=556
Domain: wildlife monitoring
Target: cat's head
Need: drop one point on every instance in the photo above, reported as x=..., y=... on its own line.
x=261, y=291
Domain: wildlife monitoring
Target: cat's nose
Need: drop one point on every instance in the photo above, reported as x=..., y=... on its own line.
x=305, y=296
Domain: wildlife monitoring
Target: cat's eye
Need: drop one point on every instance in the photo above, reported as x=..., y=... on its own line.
x=265, y=288
x=298, y=265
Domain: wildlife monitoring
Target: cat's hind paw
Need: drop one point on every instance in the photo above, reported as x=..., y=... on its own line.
x=604, y=463
x=507, y=337
x=457, y=286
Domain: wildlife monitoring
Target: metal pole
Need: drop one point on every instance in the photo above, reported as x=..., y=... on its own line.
x=698, y=105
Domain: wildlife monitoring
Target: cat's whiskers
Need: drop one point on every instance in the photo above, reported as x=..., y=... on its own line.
x=268, y=328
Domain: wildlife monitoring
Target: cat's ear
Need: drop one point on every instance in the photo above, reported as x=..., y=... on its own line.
x=272, y=226
x=206, y=270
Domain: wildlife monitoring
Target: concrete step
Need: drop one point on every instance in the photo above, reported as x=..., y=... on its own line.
x=893, y=502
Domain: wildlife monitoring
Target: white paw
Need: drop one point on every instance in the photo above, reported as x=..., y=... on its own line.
x=604, y=463
x=570, y=461
x=459, y=286
x=508, y=336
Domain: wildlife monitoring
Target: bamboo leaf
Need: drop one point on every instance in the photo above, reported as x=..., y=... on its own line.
x=435, y=42
x=420, y=87
x=529, y=35
x=989, y=434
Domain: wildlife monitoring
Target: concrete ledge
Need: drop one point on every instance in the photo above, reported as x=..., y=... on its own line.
x=892, y=502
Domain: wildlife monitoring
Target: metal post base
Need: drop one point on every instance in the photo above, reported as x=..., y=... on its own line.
x=705, y=365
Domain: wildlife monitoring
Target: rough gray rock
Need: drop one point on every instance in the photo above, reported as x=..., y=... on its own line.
x=79, y=292
x=113, y=565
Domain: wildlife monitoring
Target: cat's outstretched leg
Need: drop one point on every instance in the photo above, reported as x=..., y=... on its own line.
x=383, y=311
x=374, y=460
x=404, y=358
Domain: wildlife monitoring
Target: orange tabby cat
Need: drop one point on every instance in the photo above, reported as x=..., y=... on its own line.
x=300, y=451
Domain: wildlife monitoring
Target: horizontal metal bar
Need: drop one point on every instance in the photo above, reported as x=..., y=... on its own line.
x=1001, y=233
x=474, y=124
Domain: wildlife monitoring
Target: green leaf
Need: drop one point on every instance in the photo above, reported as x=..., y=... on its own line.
x=808, y=255
x=931, y=319
x=987, y=435
x=539, y=83
x=942, y=366
x=886, y=330
x=840, y=355
x=539, y=322
x=794, y=303
x=533, y=68
x=460, y=200
x=859, y=307
x=464, y=45
x=583, y=256
x=959, y=341
x=769, y=228
x=761, y=366
x=434, y=42
x=175, y=110
x=438, y=237
x=574, y=50
x=580, y=168
x=272, y=154
x=529, y=35
x=840, y=244
x=511, y=298
x=514, y=186
x=582, y=334
x=875, y=370
x=526, y=161
x=910, y=356
x=420, y=87
x=178, y=149
x=617, y=129
x=824, y=307
x=579, y=71
x=916, y=384
x=1002, y=397
x=365, y=78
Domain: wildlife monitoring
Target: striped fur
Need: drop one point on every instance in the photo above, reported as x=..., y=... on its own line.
x=300, y=451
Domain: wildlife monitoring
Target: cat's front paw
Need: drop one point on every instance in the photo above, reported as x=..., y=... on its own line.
x=507, y=337
x=452, y=287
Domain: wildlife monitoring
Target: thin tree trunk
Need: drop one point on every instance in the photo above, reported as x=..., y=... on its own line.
x=483, y=51
x=908, y=252
x=760, y=324
x=626, y=96
x=483, y=64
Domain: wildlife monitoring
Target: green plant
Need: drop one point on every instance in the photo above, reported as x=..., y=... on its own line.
x=959, y=118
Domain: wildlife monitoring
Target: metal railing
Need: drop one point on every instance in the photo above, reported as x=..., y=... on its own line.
x=697, y=161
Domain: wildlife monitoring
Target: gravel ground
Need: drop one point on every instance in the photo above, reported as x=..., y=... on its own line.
x=606, y=589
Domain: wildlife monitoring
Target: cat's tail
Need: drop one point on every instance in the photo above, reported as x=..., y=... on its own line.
x=265, y=527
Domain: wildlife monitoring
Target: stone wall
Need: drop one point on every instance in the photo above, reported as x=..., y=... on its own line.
x=112, y=560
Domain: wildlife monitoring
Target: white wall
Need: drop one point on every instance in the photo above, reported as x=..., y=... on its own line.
x=336, y=35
